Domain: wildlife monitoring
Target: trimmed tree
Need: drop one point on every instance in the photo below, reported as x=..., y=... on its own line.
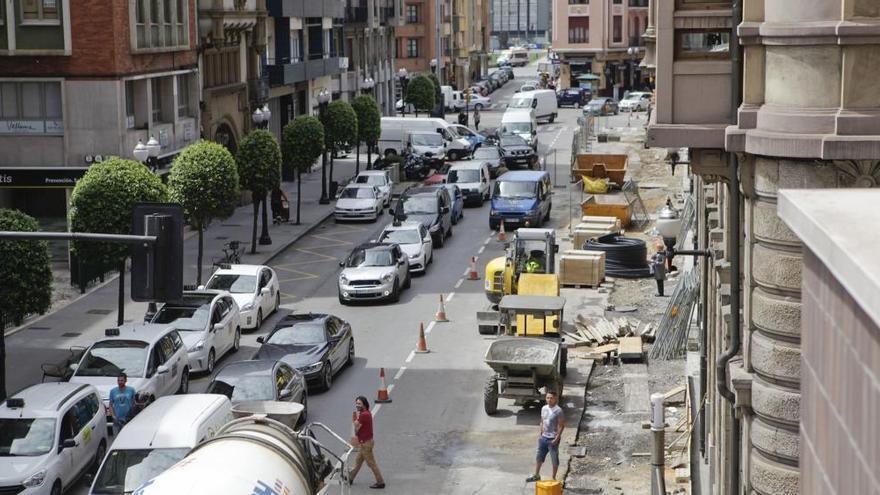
x=26, y=276
x=438, y=94
x=340, y=128
x=102, y=202
x=302, y=142
x=420, y=94
x=204, y=180
x=369, y=125
x=259, y=171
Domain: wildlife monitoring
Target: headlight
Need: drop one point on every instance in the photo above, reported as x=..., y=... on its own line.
x=343, y=280
x=198, y=347
x=492, y=213
x=387, y=277
x=36, y=479
x=414, y=256
x=311, y=368
x=247, y=307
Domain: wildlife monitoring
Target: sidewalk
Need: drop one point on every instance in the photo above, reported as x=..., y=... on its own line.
x=79, y=320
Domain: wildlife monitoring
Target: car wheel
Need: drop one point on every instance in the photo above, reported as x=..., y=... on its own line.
x=236, y=342
x=259, y=319
x=327, y=378
x=184, y=383
x=212, y=358
x=478, y=106
x=408, y=283
x=449, y=232
x=453, y=155
x=395, y=293
x=552, y=118
x=56, y=488
x=441, y=239
x=99, y=456
x=350, y=360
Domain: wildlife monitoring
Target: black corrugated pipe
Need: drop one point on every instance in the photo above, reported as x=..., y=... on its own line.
x=734, y=248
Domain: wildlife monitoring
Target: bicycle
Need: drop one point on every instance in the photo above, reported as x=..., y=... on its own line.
x=231, y=254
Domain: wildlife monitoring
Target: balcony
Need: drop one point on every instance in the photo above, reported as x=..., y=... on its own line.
x=219, y=17
x=410, y=31
x=281, y=73
x=306, y=8
x=356, y=15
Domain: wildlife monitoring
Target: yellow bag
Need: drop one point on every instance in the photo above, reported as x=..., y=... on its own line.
x=595, y=186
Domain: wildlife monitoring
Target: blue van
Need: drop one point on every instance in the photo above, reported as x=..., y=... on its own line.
x=521, y=198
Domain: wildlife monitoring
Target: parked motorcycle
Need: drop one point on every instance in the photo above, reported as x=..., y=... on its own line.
x=416, y=167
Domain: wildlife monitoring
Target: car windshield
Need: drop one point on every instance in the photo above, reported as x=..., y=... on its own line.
x=26, y=436
x=112, y=357
x=513, y=140
x=464, y=131
x=427, y=139
x=373, y=180
x=521, y=102
x=420, y=206
x=514, y=190
x=370, y=257
x=408, y=236
x=463, y=176
x=357, y=193
x=243, y=388
x=125, y=470
x=299, y=334
x=234, y=283
x=486, y=153
x=184, y=318
x=518, y=127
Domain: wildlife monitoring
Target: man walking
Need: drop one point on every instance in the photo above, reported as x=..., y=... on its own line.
x=477, y=118
x=552, y=425
x=362, y=420
x=121, y=403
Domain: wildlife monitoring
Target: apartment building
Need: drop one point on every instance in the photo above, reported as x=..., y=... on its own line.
x=470, y=35
x=370, y=45
x=783, y=105
x=604, y=38
x=417, y=37
x=87, y=79
x=515, y=21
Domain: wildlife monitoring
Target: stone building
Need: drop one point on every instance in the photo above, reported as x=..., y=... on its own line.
x=783, y=103
x=369, y=47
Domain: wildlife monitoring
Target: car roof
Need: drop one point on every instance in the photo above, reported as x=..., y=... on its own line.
x=252, y=366
x=144, y=332
x=293, y=319
x=355, y=185
x=375, y=245
x=168, y=422
x=406, y=225
x=421, y=190
x=240, y=270
x=44, y=400
x=468, y=165
x=195, y=298
x=523, y=175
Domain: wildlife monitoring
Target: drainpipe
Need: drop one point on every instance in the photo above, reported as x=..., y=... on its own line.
x=735, y=241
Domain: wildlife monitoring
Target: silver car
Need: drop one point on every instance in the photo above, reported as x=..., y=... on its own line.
x=374, y=271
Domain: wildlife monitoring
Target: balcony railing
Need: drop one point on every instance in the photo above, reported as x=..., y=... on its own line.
x=638, y=3
x=356, y=15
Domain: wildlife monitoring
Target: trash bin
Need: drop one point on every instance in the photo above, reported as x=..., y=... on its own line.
x=334, y=188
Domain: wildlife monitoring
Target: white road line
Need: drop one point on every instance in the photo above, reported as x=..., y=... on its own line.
x=430, y=327
x=482, y=248
x=488, y=240
x=458, y=284
x=409, y=358
x=399, y=373
x=449, y=297
x=390, y=388
x=376, y=409
x=466, y=271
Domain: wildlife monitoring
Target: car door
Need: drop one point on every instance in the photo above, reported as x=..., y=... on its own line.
x=72, y=423
x=378, y=202
x=336, y=355
x=233, y=317
x=266, y=300
x=226, y=318
x=402, y=266
x=157, y=380
x=173, y=361
x=293, y=387
x=427, y=245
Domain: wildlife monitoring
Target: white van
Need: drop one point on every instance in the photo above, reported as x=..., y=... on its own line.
x=543, y=101
x=448, y=97
x=473, y=178
x=157, y=438
x=519, y=57
x=523, y=123
x=392, y=140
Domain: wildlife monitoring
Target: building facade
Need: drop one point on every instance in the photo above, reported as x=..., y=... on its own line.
x=783, y=104
x=417, y=37
x=369, y=46
x=515, y=21
x=470, y=35
x=604, y=38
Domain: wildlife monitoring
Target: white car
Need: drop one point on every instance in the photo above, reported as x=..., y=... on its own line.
x=52, y=433
x=477, y=101
x=255, y=289
x=152, y=356
x=374, y=271
x=379, y=178
x=209, y=323
x=359, y=202
x=636, y=101
x=415, y=240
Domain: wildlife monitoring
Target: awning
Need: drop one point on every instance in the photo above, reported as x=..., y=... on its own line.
x=40, y=177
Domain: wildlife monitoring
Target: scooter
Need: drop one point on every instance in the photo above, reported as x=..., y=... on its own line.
x=416, y=167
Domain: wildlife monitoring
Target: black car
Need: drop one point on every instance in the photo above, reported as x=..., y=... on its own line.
x=429, y=205
x=261, y=380
x=576, y=97
x=317, y=345
x=517, y=153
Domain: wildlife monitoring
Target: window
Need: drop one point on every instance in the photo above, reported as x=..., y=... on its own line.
x=183, y=95
x=690, y=44
x=412, y=13
x=618, y=2
x=30, y=107
x=412, y=48
x=578, y=29
x=160, y=23
x=326, y=49
x=129, y=104
x=156, y=89
x=295, y=46
x=702, y=4
x=315, y=38
x=578, y=2
x=39, y=12
x=617, y=29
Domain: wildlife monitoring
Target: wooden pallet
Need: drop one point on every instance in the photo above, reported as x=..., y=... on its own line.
x=630, y=348
x=580, y=286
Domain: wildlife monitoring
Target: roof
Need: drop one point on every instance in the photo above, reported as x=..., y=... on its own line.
x=468, y=165
x=421, y=190
x=375, y=245
x=355, y=185
x=406, y=225
x=144, y=332
x=44, y=399
x=523, y=175
x=241, y=270
x=168, y=422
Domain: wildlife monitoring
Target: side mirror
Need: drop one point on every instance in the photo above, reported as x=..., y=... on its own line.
x=73, y=367
x=201, y=287
x=162, y=369
x=217, y=327
x=68, y=444
x=284, y=394
x=342, y=263
x=401, y=262
x=264, y=291
x=534, y=132
x=517, y=91
x=261, y=340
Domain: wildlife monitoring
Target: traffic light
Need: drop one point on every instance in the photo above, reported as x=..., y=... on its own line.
x=157, y=270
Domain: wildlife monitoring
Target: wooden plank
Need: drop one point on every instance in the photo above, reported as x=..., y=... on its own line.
x=630, y=348
x=677, y=390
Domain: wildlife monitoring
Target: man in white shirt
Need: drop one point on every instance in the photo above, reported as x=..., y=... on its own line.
x=552, y=425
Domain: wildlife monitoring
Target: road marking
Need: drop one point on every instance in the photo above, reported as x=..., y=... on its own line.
x=399, y=373
x=458, y=284
x=449, y=297
x=376, y=408
x=430, y=327
x=482, y=248
x=466, y=271
x=409, y=358
x=390, y=388
x=488, y=240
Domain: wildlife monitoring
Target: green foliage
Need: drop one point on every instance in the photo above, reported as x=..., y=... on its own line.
x=340, y=125
x=302, y=142
x=420, y=93
x=259, y=162
x=24, y=270
x=436, y=83
x=369, y=120
x=102, y=202
x=204, y=179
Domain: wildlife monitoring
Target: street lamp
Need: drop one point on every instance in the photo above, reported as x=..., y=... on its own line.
x=261, y=121
x=141, y=152
x=368, y=85
x=323, y=99
x=633, y=52
x=403, y=76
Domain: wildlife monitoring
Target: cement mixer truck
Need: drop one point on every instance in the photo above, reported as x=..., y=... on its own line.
x=259, y=453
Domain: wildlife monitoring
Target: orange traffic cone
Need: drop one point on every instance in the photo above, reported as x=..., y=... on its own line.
x=502, y=236
x=441, y=312
x=382, y=397
x=422, y=347
x=472, y=272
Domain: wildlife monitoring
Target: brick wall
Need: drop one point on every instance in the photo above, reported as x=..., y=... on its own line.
x=840, y=383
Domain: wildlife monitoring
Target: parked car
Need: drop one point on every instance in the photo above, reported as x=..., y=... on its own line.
x=517, y=153
x=415, y=240
x=477, y=101
x=576, y=97
x=259, y=380
x=209, y=324
x=317, y=345
x=50, y=435
x=636, y=101
x=507, y=70
x=379, y=178
x=521, y=199
x=601, y=106
x=359, y=202
x=253, y=287
x=374, y=271
x=457, y=198
x=473, y=178
x=529, y=86
x=152, y=355
x=490, y=155
x=430, y=206
x=471, y=135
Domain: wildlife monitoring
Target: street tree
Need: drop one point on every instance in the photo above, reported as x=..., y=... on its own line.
x=259, y=171
x=302, y=142
x=369, y=125
x=438, y=94
x=26, y=276
x=420, y=94
x=204, y=180
x=102, y=202
x=340, y=128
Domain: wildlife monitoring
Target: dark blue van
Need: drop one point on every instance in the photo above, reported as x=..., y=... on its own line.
x=522, y=198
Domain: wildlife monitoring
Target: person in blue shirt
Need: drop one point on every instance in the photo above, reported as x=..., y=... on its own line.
x=121, y=403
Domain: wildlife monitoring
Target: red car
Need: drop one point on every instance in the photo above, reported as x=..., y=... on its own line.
x=439, y=176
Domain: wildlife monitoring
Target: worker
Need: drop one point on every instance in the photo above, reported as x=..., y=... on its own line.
x=533, y=266
x=658, y=269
